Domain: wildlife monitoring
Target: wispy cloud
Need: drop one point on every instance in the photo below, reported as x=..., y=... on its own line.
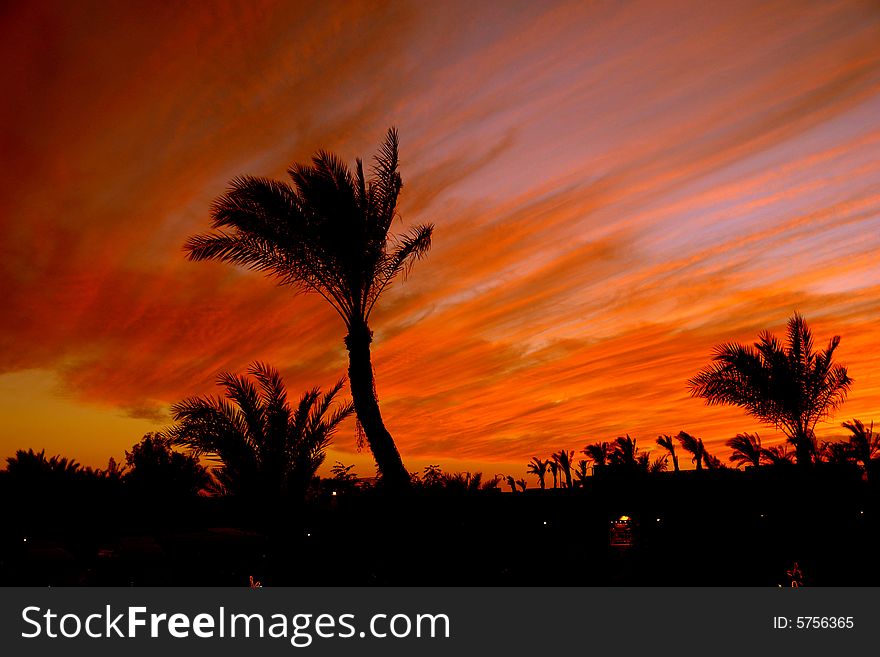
x=615, y=188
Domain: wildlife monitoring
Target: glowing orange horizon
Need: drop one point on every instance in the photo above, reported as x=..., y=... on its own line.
x=615, y=190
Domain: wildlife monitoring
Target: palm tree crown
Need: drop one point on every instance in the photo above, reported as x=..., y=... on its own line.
x=790, y=386
x=326, y=233
x=747, y=449
x=268, y=448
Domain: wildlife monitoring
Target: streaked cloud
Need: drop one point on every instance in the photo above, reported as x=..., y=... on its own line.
x=615, y=188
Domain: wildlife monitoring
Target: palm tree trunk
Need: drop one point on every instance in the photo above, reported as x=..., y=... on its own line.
x=366, y=406
x=675, y=462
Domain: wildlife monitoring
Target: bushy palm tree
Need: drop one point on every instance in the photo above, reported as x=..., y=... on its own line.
x=538, y=467
x=327, y=233
x=31, y=465
x=837, y=453
x=581, y=473
x=267, y=447
x=667, y=443
x=660, y=464
x=694, y=446
x=864, y=444
x=746, y=448
x=790, y=386
x=553, y=464
x=522, y=485
x=599, y=454
x=156, y=470
x=624, y=453
x=778, y=455
x=432, y=475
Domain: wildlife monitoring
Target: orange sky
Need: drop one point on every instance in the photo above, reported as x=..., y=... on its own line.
x=616, y=189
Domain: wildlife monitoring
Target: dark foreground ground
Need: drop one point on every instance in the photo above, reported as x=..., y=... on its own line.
x=724, y=528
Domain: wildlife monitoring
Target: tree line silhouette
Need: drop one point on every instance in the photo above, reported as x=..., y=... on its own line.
x=328, y=232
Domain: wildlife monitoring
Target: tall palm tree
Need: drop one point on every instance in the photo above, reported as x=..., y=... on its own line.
x=746, y=449
x=538, y=467
x=667, y=443
x=326, y=233
x=694, y=446
x=553, y=464
x=268, y=448
x=563, y=459
x=789, y=386
x=863, y=442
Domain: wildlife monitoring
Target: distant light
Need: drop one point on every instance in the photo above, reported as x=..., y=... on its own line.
x=762, y=515
x=624, y=518
x=861, y=513
x=25, y=538
x=545, y=522
x=333, y=493
x=307, y=534
x=658, y=519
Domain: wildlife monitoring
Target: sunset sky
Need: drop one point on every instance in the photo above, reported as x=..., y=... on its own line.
x=616, y=188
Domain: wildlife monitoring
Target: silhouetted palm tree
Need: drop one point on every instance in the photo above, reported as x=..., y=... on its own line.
x=778, y=455
x=837, y=453
x=267, y=447
x=29, y=464
x=694, y=446
x=522, y=484
x=599, y=454
x=667, y=443
x=538, y=467
x=432, y=475
x=581, y=473
x=790, y=386
x=746, y=449
x=625, y=453
x=156, y=470
x=864, y=444
x=553, y=464
x=660, y=464
x=563, y=459
x=327, y=233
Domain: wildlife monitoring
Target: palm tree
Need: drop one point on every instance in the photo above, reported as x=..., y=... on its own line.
x=563, y=459
x=625, y=453
x=778, y=455
x=660, y=464
x=864, y=444
x=432, y=475
x=837, y=453
x=522, y=485
x=268, y=448
x=789, y=386
x=668, y=444
x=538, y=468
x=694, y=446
x=581, y=473
x=746, y=449
x=599, y=454
x=511, y=481
x=553, y=464
x=327, y=233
